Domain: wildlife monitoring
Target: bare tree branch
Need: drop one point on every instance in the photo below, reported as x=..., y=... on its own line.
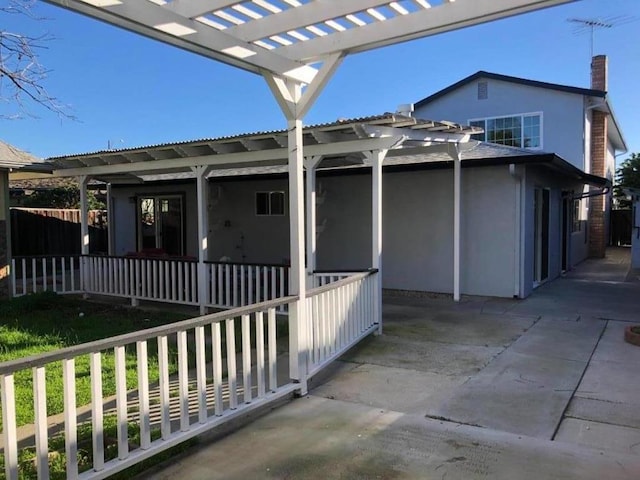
x=22, y=77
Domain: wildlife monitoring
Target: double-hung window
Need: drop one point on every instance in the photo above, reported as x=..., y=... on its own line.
x=523, y=131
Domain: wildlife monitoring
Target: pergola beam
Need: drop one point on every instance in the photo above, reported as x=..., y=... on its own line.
x=423, y=23
x=143, y=17
x=240, y=158
x=196, y=8
x=311, y=13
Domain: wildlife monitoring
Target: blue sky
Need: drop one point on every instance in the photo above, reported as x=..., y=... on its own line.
x=130, y=91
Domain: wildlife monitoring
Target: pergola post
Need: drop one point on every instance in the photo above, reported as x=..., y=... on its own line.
x=457, y=194
x=376, y=158
x=84, y=231
x=295, y=104
x=203, y=234
x=310, y=164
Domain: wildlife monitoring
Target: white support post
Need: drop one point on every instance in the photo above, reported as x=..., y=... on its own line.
x=376, y=158
x=84, y=230
x=295, y=104
x=457, y=194
x=310, y=165
x=203, y=234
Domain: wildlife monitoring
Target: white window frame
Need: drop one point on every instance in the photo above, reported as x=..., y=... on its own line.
x=270, y=193
x=521, y=115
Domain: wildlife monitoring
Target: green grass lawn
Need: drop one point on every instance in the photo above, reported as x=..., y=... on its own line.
x=43, y=322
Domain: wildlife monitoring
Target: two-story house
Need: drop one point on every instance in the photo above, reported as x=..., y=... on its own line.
x=577, y=124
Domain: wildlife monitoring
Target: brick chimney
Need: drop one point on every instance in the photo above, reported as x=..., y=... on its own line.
x=598, y=161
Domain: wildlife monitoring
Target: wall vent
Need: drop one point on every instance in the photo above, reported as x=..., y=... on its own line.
x=483, y=90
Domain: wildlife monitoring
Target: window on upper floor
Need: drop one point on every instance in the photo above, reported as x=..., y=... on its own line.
x=523, y=131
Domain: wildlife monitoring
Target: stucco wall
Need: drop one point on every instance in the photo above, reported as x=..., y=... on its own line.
x=124, y=214
x=237, y=232
x=417, y=228
x=563, y=113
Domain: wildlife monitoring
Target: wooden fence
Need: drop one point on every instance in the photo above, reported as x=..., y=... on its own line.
x=51, y=231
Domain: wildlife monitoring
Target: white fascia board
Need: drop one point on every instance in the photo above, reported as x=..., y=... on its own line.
x=140, y=16
x=422, y=23
x=300, y=17
x=236, y=159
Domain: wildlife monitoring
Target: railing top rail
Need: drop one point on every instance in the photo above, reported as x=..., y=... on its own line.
x=341, y=272
x=340, y=283
x=167, y=258
x=61, y=255
x=73, y=351
x=256, y=264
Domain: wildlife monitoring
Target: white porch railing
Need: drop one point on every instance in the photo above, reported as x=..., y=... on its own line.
x=219, y=377
x=238, y=284
x=340, y=314
x=61, y=274
x=161, y=279
x=323, y=278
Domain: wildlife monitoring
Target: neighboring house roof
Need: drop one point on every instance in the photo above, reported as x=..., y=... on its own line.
x=14, y=158
x=618, y=138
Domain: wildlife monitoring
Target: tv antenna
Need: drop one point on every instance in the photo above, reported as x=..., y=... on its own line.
x=589, y=25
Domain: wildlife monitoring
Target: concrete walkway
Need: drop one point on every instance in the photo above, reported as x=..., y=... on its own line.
x=487, y=388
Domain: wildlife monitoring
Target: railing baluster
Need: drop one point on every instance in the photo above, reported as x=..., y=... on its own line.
x=63, y=265
x=201, y=372
x=183, y=380
x=97, y=421
x=194, y=282
x=235, y=286
x=180, y=282
x=274, y=284
x=70, y=419
x=9, y=427
x=246, y=358
x=260, y=372
x=220, y=299
x=187, y=281
x=227, y=286
x=154, y=273
x=232, y=379
x=216, y=346
x=13, y=276
x=34, y=275
x=54, y=274
x=242, y=286
x=163, y=366
x=258, y=289
x=250, y=281
x=319, y=328
x=121, y=401
x=161, y=284
x=24, y=276
x=143, y=394
x=273, y=350
x=44, y=274
x=40, y=422
x=265, y=283
x=72, y=271
x=282, y=290
x=174, y=281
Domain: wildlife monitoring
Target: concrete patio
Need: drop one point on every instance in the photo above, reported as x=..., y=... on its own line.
x=487, y=388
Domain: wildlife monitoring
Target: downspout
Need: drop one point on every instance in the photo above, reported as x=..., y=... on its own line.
x=518, y=224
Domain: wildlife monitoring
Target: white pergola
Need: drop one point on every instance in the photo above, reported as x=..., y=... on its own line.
x=296, y=45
